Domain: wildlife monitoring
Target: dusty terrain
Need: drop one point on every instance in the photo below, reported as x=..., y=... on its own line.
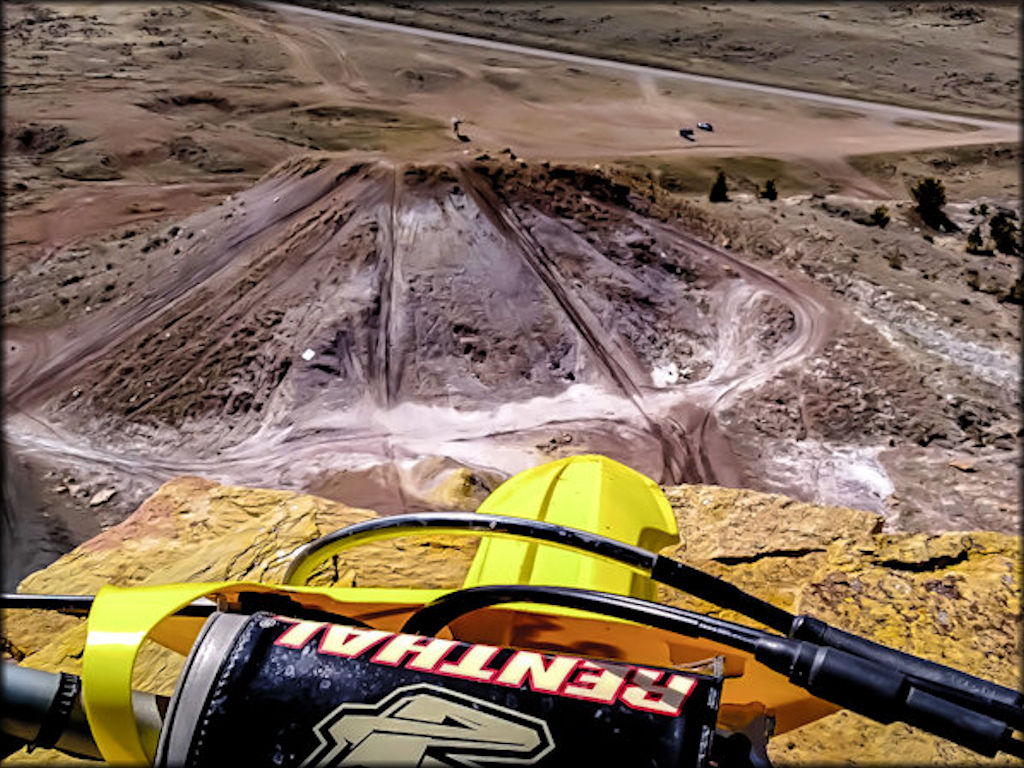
x=954, y=57
x=244, y=243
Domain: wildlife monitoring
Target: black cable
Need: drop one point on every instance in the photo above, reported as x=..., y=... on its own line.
x=858, y=684
x=248, y=602
x=80, y=605
x=473, y=522
x=433, y=616
x=993, y=699
x=695, y=582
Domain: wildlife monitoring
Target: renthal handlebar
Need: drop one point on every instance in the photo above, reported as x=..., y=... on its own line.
x=984, y=696
x=43, y=710
x=46, y=713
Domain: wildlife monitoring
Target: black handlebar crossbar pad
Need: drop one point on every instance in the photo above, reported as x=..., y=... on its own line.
x=295, y=694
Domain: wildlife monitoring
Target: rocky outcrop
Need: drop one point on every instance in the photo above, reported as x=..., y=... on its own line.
x=952, y=597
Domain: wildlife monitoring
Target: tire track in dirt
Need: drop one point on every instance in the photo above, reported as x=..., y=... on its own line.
x=813, y=319
x=32, y=378
x=677, y=459
x=386, y=337
x=390, y=380
x=304, y=62
x=292, y=268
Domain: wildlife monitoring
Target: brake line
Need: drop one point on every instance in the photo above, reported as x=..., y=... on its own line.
x=860, y=685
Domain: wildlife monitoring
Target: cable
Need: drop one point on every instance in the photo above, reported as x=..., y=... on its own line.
x=80, y=605
x=248, y=602
x=860, y=685
x=444, y=610
x=309, y=556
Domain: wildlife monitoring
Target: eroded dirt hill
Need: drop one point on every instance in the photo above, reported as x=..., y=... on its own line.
x=361, y=329
x=338, y=314
x=952, y=597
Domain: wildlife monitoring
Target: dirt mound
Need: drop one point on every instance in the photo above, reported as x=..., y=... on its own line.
x=87, y=164
x=428, y=79
x=336, y=282
x=186, y=150
x=341, y=321
x=176, y=101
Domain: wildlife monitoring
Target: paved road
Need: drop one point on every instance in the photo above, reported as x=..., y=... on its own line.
x=888, y=110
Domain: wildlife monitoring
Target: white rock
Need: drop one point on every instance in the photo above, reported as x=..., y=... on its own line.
x=102, y=497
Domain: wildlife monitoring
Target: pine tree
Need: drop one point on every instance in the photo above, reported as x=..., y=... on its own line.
x=930, y=195
x=770, y=193
x=719, y=191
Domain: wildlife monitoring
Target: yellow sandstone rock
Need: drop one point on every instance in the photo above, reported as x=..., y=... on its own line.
x=952, y=597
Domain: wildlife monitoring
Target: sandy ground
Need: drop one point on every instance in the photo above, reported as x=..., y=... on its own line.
x=956, y=57
x=245, y=243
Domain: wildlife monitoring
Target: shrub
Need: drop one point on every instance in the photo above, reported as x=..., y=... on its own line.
x=1016, y=293
x=719, y=191
x=1005, y=233
x=880, y=217
x=930, y=195
x=895, y=259
x=770, y=193
x=975, y=242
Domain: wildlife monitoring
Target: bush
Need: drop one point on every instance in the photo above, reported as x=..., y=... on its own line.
x=975, y=242
x=1005, y=234
x=770, y=193
x=1016, y=293
x=895, y=259
x=930, y=195
x=880, y=217
x=719, y=191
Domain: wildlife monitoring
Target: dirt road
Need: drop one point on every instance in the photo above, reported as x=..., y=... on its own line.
x=888, y=111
